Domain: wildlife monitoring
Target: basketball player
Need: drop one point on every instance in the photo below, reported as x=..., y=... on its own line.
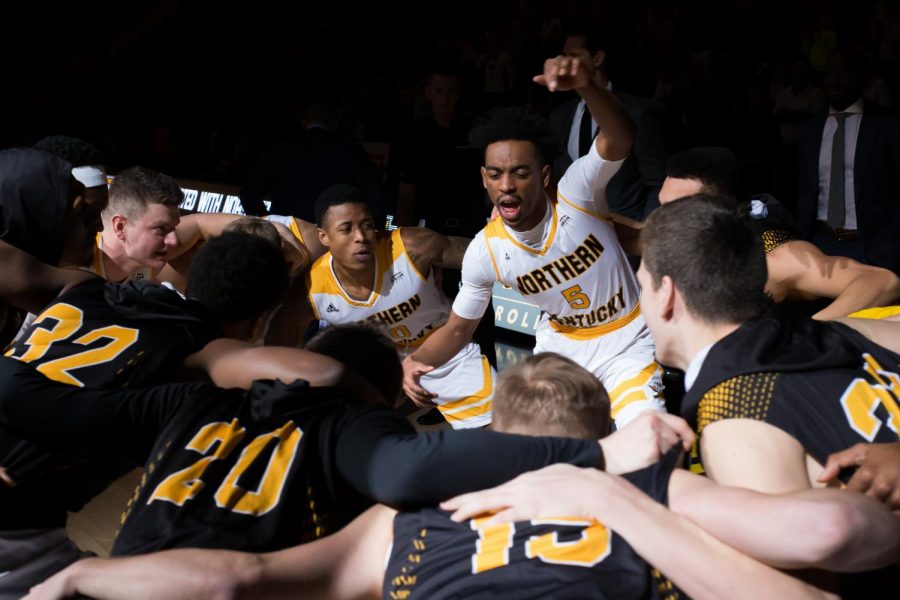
x=561, y=255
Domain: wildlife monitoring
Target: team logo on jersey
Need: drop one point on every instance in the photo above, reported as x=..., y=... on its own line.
x=506, y=255
x=657, y=387
x=396, y=277
x=331, y=308
x=565, y=220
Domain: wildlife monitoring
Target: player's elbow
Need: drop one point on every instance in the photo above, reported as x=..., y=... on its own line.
x=240, y=577
x=833, y=533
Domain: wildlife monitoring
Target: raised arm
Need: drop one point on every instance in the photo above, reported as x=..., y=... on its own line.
x=799, y=269
x=576, y=73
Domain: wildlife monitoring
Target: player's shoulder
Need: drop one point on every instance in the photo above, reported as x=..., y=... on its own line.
x=744, y=396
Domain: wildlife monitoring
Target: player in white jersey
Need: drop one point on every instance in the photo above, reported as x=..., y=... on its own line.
x=387, y=278
x=561, y=255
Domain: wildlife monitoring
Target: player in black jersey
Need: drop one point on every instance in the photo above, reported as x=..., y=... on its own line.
x=435, y=557
x=373, y=449
x=103, y=335
x=771, y=393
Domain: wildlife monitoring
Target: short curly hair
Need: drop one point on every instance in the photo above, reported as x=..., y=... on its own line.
x=75, y=150
x=517, y=123
x=715, y=167
x=237, y=276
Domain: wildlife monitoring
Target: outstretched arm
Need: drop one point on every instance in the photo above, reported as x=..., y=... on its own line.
x=346, y=565
x=835, y=530
x=441, y=346
x=799, y=269
x=699, y=564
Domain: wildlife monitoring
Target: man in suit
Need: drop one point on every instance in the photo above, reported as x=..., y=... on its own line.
x=848, y=201
x=637, y=179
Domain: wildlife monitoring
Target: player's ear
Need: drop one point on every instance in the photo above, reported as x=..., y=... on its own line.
x=545, y=175
x=323, y=237
x=118, y=223
x=484, y=177
x=668, y=297
x=598, y=58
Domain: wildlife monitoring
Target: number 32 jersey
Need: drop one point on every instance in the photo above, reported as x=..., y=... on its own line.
x=107, y=335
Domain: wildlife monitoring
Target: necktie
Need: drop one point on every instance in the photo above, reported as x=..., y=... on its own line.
x=585, y=133
x=836, y=196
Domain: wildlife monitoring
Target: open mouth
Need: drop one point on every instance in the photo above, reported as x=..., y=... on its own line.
x=509, y=208
x=363, y=254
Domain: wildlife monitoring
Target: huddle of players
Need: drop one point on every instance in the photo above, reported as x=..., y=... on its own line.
x=239, y=469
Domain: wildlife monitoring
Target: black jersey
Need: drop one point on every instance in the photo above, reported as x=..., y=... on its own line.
x=258, y=470
x=824, y=384
x=107, y=335
x=436, y=558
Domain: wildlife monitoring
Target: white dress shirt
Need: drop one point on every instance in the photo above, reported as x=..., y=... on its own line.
x=851, y=134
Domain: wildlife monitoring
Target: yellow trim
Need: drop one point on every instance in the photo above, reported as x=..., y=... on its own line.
x=497, y=229
x=97, y=261
x=418, y=342
x=638, y=380
x=482, y=407
x=630, y=398
x=295, y=229
x=879, y=312
x=323, y=280
x=398, y=249
x=493, y=261
x=583, y=210
x=589, y=333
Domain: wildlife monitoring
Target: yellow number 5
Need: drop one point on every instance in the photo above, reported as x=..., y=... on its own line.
x=576, y=298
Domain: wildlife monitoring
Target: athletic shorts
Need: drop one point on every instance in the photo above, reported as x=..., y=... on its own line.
x=465, y=387
x=623, y=360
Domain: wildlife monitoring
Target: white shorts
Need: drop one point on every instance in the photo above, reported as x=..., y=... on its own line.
x=623, y=360
x=465, y=388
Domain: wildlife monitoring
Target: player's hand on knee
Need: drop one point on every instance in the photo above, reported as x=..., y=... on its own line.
x=412, y=373
x=878, y=472
x=644, y=440
x=566, y=72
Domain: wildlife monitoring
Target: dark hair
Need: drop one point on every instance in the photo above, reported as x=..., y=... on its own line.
x=716, y=168
x=135, y=188
x=77, y=151
x=336, y=195
x=549, y=394
x=237, y=276
x=363, y=348
x=517, y=123
x=712, y=254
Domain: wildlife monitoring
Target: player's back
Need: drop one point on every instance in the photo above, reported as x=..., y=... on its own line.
x=106, y=335
x=252, y=471
x=436, y=558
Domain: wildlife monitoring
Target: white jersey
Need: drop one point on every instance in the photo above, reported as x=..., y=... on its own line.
x=412, y=307
x=408, y=303
x=578, y=275
x=289, y=222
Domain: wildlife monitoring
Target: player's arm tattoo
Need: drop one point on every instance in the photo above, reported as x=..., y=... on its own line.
x=428, y=248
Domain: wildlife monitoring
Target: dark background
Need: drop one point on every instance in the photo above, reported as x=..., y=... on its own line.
x=198, y=89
